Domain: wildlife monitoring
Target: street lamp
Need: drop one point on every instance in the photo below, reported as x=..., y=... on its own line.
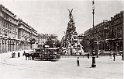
x=98, y=51
x=93, y=52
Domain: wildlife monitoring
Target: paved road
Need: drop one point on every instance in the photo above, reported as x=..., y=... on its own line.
x=65, y=68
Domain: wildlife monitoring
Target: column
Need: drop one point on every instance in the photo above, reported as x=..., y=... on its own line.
x=13, y=45
x=20, y=46
x=0, y=46
x=16, y=44
x=10, y=45
x=5, y=45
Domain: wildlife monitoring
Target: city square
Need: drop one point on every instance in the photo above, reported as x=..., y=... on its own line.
x=65, y=68
x=61, y=39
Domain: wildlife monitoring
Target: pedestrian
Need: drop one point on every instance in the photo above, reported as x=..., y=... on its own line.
x=14, y=55
x=114, y=56
x=78, y=63
x=24, y=53
x=18, y=54
x=88, y=55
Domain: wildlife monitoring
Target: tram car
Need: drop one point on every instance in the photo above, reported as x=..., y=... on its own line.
x=46, y=54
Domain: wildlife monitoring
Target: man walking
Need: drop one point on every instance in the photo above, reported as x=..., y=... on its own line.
x=78, y=63
x=18, y=54
x=114, y=56
x=88, y=55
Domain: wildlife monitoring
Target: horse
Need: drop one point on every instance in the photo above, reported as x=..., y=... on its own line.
x=27, y=56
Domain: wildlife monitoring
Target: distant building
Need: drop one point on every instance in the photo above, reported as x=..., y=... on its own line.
x=42, y=38
x=108, y=35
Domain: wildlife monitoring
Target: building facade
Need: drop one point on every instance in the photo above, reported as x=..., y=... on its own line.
x=42, y=38
x=24, y=35
x=8, y=30
x=34, y=36
x=14, y=33
x=108, y=35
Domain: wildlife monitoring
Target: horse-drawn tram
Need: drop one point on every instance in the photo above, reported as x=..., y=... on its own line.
x=45, y=54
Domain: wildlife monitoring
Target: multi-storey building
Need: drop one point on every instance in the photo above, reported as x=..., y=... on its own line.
x=116, y=34
x=34, y=35
x=42, y=38
x=8, y=30
x=25, y=34
x=108, y=35
x=15, y=34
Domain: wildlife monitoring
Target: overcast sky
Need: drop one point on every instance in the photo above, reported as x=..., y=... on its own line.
x=51, y=16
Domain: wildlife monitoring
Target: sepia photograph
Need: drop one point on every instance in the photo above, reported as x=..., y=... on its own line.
x=61, y=39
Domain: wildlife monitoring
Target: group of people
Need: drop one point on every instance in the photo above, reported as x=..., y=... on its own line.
x=28, y=56
x=14, y=54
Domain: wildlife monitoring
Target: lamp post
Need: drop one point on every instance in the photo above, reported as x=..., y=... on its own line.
x=93, y=52
x=98, y=51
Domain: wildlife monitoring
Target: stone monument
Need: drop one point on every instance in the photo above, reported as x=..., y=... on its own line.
x=72, y=44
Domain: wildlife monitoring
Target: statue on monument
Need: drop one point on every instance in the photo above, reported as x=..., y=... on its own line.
x=71, y=24
x=73, y=47
x=70, y=15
